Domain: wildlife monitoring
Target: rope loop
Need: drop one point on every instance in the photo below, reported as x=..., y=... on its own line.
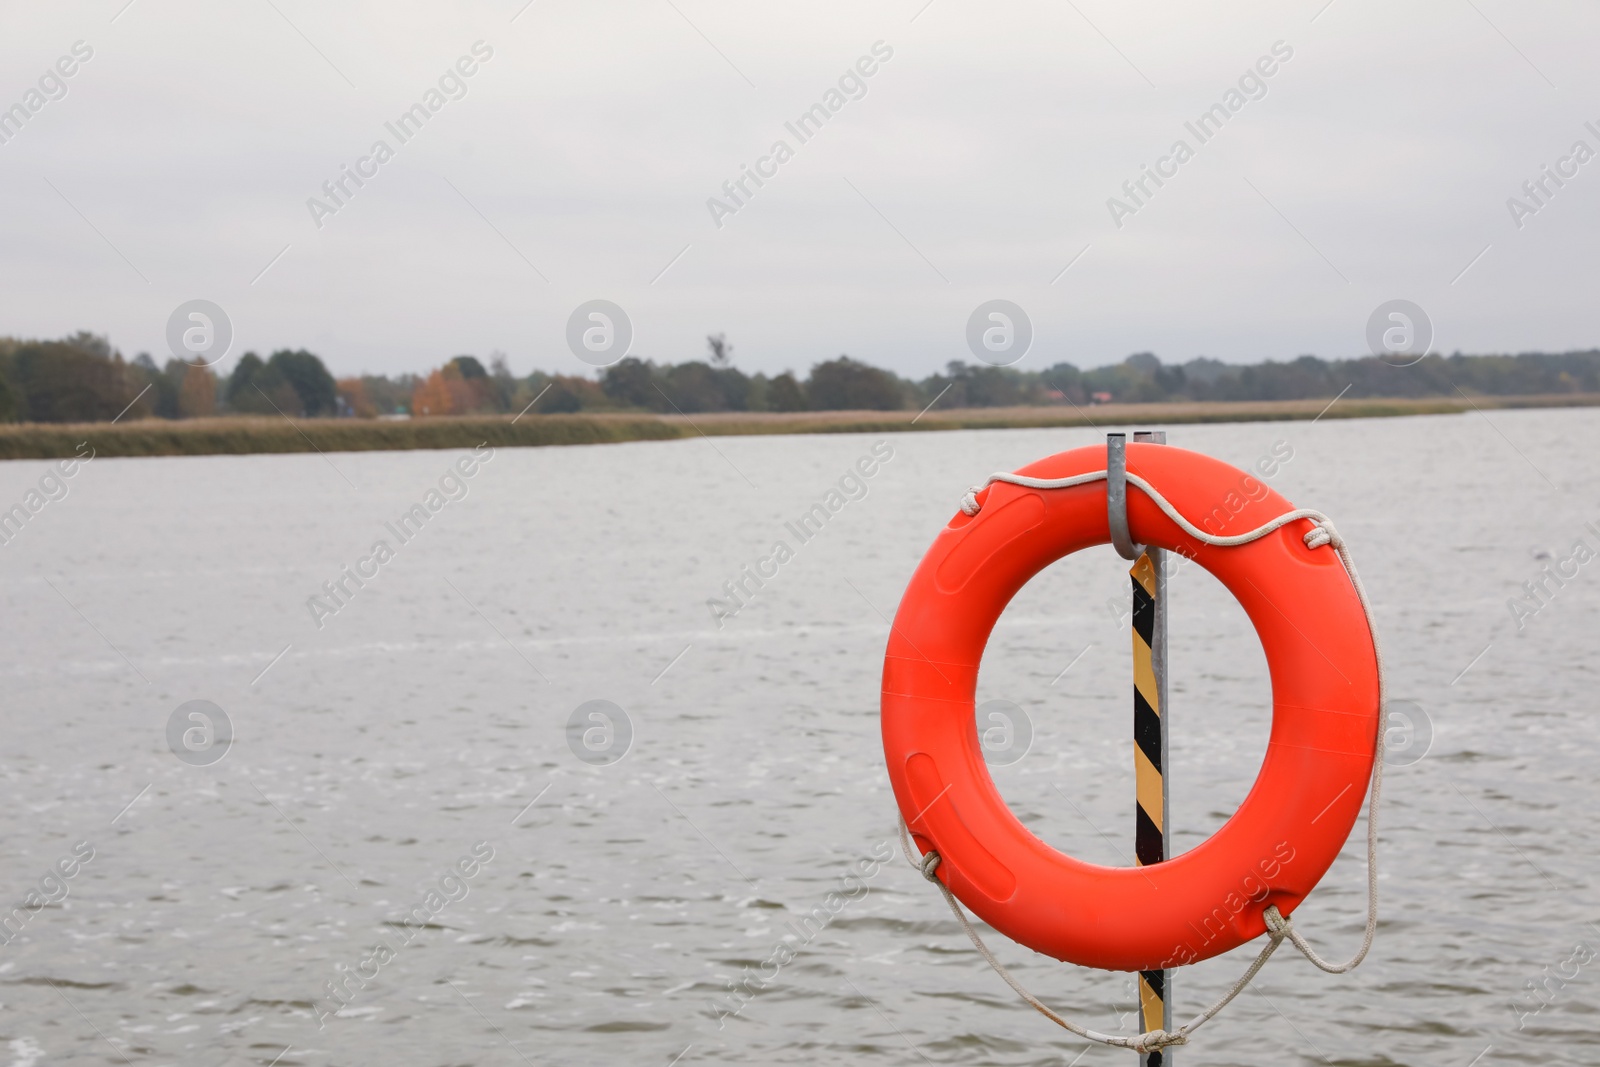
x=1145, y=1042
x=929, y=864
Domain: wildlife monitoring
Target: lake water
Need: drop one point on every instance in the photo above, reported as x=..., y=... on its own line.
x=416, y=728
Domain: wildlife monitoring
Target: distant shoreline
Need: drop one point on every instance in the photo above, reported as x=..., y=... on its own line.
x=248, y=435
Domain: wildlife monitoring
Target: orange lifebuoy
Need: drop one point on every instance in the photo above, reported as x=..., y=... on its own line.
x=1323, y=665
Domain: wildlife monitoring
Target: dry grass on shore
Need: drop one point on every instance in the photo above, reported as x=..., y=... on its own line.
x=245, y=435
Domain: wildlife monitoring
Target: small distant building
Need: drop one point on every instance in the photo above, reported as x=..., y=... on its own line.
x=1100, y=398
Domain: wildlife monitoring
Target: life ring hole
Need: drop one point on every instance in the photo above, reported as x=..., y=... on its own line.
x=1054, y=708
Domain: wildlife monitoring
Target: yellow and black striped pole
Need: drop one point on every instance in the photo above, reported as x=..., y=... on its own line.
x=1150, y=763
x=1149, y=709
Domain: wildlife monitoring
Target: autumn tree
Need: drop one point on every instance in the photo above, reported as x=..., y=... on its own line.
x=197, y=393
x=432, y=396
x=353, y=398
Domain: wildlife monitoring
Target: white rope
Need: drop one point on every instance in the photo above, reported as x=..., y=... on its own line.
x=1279, y=928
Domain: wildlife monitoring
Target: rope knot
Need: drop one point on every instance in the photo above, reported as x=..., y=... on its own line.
x=1279, y=926
x=1156, y=1040
x=929, y=864
x=969, y=503
x=1324, y=534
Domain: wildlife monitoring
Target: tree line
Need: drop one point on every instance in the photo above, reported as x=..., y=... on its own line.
x=82, y=378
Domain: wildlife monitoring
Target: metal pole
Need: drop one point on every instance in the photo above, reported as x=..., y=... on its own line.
x=1151, y=826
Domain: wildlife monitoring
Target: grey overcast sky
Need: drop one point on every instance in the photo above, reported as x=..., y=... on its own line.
x=1375, y=162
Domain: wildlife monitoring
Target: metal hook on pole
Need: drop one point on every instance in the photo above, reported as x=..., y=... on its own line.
x=1117, y=496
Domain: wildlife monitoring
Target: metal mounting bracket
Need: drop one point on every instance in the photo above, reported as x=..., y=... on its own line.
x=1117, y=496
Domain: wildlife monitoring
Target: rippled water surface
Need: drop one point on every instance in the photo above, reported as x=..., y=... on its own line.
x=383, y=749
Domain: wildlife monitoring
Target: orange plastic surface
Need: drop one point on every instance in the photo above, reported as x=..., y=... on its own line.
x=1319, y=758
